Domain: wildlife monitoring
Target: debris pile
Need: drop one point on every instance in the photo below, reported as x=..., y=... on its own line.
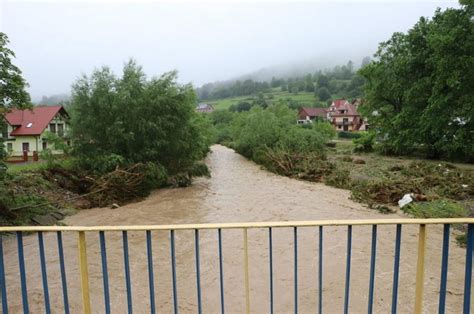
x=307, y=166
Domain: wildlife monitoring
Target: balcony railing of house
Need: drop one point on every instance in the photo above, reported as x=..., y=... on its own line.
x=318, y=226
x=344, y=123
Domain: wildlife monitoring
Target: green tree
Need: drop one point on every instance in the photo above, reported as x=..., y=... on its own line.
x=420, y=88
x=355, y=87
x=12, y=86
x=136, y=119
x=323, y=81
x=260, y=101
x=323, y=94
x=55, y=143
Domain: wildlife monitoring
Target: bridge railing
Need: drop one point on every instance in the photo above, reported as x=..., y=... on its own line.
x=269, y=226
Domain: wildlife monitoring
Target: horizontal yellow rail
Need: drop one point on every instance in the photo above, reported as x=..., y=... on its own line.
x=246, y=225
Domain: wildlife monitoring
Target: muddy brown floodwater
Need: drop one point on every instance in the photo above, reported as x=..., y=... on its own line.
x=239, y=191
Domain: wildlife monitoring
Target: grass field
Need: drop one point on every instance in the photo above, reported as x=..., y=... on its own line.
x=302, y=98
x=25, y=166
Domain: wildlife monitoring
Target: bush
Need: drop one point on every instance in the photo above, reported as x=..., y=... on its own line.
x=339, y=178
x=272, y=138
x=365, y=143
x=436, y=209
x=345, y=134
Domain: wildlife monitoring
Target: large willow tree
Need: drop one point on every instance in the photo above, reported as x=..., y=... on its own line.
x=12, y=85
x=136, y=119
x=420, y=88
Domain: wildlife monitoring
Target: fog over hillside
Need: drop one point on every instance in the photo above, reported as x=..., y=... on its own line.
x=302, y=67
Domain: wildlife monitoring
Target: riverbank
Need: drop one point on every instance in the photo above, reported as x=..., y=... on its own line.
x=240, y=191
x=45, y=193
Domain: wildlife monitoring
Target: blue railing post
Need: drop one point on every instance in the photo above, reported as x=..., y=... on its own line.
x=21, y=264
x=348, y=269
x=44, y=273
x=198, y=270
x=320, y=305
x=372, y=268
x=444, y=270
x=105, y=275
x=127, y=271
x=3, y=283
x=221, y=269
x=173, y=272
x=151, y=279
x=62, y=268
x=296, y=267
x=468, y=272
x=270, y=248
x=396, y=268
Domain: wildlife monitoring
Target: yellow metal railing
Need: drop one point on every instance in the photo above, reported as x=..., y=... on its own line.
x=84, y=273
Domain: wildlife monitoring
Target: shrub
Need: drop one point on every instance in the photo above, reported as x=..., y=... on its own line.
x=344, y=134
x=339, y=178
x=436, y=209
x=347, y=159
x=365, y=143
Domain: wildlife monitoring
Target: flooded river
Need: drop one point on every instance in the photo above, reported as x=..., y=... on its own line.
x=239, y=191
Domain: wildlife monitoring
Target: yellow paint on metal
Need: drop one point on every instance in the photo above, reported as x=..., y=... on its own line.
x=86, y=305
x=272, y=224
x=246, y=273
x=420, y=270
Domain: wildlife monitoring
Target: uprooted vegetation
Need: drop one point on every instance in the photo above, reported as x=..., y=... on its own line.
x=28, y=197
x=429, y=181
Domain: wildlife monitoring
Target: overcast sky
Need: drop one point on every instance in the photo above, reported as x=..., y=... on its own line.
x=206, y=41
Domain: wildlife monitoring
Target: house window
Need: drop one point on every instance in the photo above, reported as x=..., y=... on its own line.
x=61, y=129
x=45, y=145
x=26, y=147
x=9, y=147
x=52, y=128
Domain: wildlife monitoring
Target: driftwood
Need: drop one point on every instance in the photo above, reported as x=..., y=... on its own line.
x=120, y=184
x=307, y=166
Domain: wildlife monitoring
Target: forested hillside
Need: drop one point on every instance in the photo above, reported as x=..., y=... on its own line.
x=313, y=89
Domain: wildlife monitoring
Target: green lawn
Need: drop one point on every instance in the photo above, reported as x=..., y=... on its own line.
x=25, y=166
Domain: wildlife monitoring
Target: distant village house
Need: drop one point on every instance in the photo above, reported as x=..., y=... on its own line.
x=342, y=114
x=205, y=108
x=25, y=129
x=308, y=115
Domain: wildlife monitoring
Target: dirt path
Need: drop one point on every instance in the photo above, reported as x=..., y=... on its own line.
x=239, y=191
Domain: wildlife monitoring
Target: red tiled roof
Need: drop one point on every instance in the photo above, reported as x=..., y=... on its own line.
x=351, y=110
x=32, y=122
x=314, y=112
x=338, y=103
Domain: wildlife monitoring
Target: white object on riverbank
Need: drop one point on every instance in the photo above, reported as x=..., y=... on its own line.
x=405, y=200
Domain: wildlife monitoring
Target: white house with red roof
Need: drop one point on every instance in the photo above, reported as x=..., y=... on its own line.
x=25, y=129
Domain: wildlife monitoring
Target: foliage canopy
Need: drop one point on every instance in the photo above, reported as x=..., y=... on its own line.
x=420, y=88
x=137, y=120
